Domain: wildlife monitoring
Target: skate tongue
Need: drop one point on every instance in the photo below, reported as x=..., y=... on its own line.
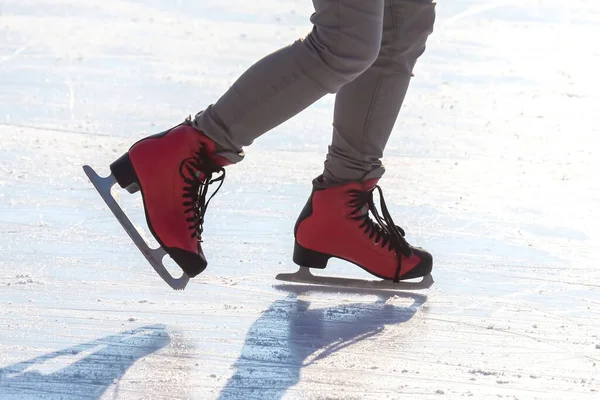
x=364, y=210
x=370, y=184
x=229, y=157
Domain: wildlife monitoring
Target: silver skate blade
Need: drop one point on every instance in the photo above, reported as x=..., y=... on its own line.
x=154, y=256
x=303, y=275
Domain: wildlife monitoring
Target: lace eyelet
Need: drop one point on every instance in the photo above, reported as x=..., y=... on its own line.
x=386, y=233
x=200, y=169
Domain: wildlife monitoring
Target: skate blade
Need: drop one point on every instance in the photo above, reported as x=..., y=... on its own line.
x=154, y=256
x=303, y=275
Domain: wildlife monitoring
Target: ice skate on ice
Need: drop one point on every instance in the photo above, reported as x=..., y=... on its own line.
x=173, y=171
x=303, y=275
x=335, y=222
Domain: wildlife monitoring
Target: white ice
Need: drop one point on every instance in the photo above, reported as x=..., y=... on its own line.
x=492, y=166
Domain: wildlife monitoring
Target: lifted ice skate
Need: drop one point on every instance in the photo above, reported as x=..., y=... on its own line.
x=303, y=275
x=154, y=256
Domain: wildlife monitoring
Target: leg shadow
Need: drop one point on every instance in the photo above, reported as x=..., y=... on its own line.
x=98, y=365
x=290, y=335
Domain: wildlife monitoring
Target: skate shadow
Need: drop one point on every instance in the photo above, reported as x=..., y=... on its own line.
x=291, y=335
x=92, y=367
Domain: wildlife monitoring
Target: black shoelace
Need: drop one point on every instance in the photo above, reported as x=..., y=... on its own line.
x=383, y=231
x=196, y=189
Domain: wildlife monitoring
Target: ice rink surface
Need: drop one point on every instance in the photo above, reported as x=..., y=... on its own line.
x=493, y=167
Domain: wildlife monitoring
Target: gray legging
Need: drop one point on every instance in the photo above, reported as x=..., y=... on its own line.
x=363, y=50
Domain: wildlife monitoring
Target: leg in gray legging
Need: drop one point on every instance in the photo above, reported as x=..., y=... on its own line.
x=366, y=108
x=344, y=42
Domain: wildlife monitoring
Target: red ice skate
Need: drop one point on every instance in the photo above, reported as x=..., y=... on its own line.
x=335, y=223
x=173, y=171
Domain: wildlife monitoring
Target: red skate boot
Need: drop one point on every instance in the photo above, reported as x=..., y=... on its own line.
x=173, y=171
x=335, y=223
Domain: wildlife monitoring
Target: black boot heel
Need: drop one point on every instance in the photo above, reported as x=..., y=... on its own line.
x=309, y=258
x=123, y=171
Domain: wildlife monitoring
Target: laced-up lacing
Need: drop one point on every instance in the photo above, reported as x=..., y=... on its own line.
x=195, y=190
x=383, y=231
